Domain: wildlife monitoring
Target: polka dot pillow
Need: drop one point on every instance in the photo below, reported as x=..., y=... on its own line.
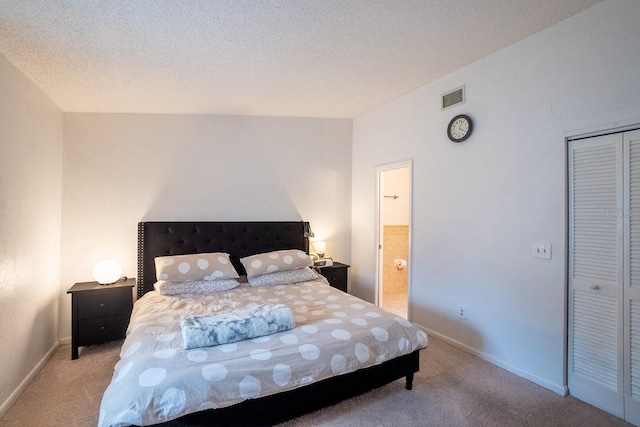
x=183, y=268
x=283, y=277
x=164, y=287
x=270, y=262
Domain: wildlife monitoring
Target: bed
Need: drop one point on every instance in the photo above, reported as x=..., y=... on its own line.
x=340, y=346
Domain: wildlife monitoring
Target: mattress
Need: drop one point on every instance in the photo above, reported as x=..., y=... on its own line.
x=157, y=380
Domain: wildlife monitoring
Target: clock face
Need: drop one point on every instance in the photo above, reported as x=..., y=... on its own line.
x=460, y=128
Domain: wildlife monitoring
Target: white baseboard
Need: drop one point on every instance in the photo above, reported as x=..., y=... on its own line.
x=65, y=340
x=556, y=388
x=25, y=383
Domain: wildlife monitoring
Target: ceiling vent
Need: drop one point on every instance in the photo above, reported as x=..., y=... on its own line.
x=453, y=98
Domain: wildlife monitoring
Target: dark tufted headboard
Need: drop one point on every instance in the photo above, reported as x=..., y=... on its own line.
x=239, y=239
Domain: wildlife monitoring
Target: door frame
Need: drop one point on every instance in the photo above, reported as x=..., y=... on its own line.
x=379, y=229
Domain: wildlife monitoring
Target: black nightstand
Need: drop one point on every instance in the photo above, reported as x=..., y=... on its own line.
x=337, y=275
x=99, y=313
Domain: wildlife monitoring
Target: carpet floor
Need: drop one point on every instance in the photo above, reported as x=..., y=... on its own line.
x=453, y=388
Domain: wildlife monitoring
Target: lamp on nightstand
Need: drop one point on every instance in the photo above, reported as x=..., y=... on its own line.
x=319, y=254
x=320, y=248
x=107, y=272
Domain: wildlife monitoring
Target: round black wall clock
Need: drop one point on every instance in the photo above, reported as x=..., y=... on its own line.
x=460, y=128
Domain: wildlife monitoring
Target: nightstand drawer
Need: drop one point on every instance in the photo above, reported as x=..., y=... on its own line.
x=337, y=275
x=95, y=331
x=108, y=302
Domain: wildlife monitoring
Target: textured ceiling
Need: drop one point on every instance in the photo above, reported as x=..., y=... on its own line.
x=306, y=58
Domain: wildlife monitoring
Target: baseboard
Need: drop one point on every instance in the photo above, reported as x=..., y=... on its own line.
x=556, y=388
x=25, y=383
x=65, y=340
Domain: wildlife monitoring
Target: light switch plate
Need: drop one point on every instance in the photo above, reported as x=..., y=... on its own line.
x=541, y=250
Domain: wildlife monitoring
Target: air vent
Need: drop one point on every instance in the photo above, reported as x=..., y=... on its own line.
x=453, y=98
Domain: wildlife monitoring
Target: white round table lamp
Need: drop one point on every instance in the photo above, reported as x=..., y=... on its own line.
x=107, y=272
x=320, y=247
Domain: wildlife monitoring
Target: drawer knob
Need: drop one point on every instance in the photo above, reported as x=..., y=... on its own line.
x=103, y=305
x=595, y=287
x=102, y=328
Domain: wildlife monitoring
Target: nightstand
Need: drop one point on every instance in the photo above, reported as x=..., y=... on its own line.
x=99, y=313
x=337, y=275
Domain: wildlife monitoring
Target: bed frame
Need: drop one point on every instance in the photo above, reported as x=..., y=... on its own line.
x=240, y=239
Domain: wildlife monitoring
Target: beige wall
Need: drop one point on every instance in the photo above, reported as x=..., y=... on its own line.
x=395, y=233
x=396, y=246
x=30, y=155
x=119, y=169
x=397, y=182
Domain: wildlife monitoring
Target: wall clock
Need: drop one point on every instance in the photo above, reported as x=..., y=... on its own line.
x=460, y=128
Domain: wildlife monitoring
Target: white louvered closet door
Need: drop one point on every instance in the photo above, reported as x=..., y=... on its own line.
x=604, y=273
x=632, y=276
x=595, y=362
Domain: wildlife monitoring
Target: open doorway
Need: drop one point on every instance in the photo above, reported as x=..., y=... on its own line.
x=394, y=237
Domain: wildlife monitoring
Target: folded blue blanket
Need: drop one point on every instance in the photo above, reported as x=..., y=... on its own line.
x=231, y=326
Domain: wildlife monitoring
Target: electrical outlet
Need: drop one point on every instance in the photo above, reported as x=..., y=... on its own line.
x=462, y=312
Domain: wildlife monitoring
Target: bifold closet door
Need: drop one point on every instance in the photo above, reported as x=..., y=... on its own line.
x=596, y=221
x=604, y=273
x=631, y=290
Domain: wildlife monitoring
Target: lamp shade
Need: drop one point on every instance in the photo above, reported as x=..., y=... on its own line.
x=107, y=272
x=321, y=247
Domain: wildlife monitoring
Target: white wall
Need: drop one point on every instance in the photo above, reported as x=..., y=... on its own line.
x=478, y=206
x=119, y=169
x=30, y=156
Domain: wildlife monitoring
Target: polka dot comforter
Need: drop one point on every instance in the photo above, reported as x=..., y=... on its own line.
x=157, y=380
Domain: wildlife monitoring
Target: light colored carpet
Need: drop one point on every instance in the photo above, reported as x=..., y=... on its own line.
x=453, y=388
